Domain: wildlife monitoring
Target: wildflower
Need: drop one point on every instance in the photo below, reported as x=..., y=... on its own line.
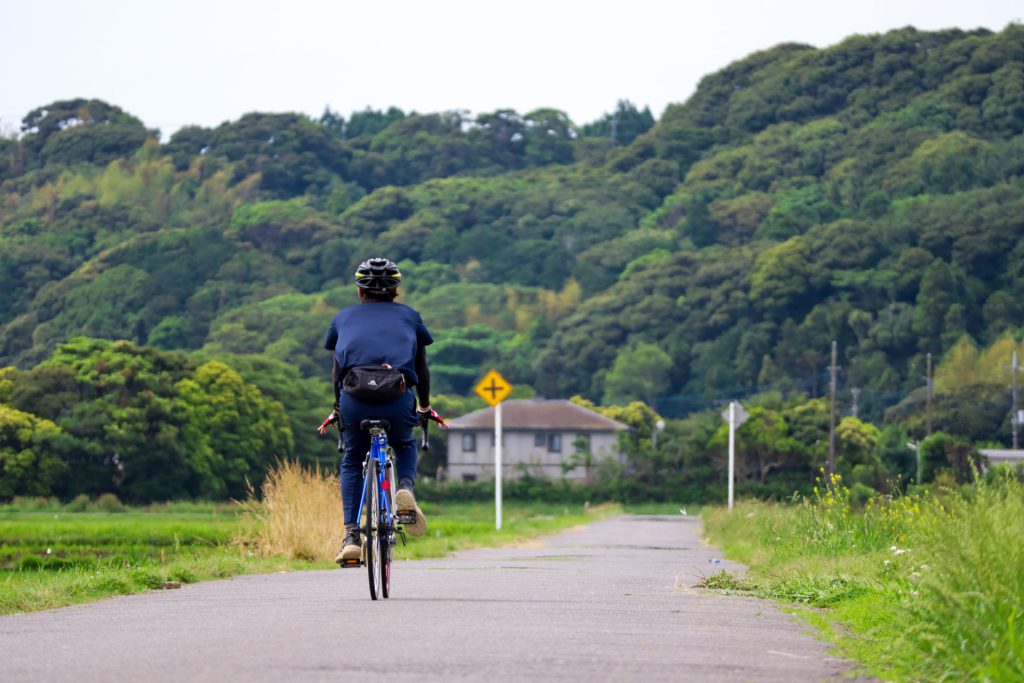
x=915, y=575
x=887, y=562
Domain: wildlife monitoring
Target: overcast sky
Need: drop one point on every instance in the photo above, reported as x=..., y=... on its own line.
x=207, y=61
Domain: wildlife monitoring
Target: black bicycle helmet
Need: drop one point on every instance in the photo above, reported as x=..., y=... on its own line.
x=378, y=275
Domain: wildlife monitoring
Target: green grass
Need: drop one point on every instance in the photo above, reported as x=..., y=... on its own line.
x=54, y=558
x=922, y=588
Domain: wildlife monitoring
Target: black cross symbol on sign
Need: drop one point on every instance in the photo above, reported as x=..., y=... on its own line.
x=495, y=388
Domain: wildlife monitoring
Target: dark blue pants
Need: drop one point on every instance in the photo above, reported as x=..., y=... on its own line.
x=401, y=413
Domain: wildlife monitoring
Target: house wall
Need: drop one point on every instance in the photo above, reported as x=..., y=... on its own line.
x=519, y=449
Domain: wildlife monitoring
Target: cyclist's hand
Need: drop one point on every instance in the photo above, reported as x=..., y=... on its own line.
x=427, y=415
x=326, y=424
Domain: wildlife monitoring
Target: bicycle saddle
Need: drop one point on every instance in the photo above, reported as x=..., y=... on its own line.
x=367, y=425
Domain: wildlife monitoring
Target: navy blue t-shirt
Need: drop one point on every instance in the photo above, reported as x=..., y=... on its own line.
x=376, y=333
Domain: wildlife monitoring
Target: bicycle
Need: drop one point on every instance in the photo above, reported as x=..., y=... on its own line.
x=383, y=525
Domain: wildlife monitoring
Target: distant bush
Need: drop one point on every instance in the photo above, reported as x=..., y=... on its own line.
x=33, y=504
x=79, y=503
x=109, y=502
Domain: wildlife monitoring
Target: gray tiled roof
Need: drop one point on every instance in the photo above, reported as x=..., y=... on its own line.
x=539, y=414
x=994, y=454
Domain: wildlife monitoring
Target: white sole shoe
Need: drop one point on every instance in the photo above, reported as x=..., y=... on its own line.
x=405, y=504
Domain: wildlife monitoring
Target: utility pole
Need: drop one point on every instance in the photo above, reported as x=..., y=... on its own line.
x=855, y=392
x=931, y=390
x=1013, y=418
x=832, y=418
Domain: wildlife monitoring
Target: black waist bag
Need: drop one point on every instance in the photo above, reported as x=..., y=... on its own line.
x=374, y=384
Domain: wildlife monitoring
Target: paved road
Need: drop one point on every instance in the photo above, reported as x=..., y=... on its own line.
x=612, y=601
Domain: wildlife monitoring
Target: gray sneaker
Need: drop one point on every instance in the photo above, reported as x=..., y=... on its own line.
x=405, y=504
x=351, y=548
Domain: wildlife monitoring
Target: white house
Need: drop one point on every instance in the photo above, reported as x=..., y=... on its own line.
x=538, y=435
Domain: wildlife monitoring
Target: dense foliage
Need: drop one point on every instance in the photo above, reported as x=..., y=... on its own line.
x=869, y=193
x=154, y=425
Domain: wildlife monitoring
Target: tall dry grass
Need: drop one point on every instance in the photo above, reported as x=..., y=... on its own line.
x=298, y=514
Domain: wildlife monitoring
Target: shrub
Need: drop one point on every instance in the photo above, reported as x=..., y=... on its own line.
x=109, y=502
x=34, y=504
x=79, y=503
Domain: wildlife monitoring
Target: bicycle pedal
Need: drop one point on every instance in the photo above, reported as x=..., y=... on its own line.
x=350, y=563
x=407, y=517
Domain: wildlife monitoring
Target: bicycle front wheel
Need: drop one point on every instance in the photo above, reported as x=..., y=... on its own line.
x=388, y=523
x=385, y=563
x=373, y=531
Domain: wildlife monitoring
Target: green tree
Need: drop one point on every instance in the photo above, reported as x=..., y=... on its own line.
x=237, y=432
x=937, y=294
x=640, y=372
x=622, y=126
x=549, y=136
x=30, y=464
x=80, y=130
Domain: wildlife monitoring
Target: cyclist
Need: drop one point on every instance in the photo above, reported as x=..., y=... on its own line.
x=382, y=333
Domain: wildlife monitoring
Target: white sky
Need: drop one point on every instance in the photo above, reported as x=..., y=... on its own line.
x=174, y=63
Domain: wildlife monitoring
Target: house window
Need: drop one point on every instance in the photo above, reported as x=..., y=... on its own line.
x=554, y=443
x=539, y=439
x=469, y=442
x=468, y=477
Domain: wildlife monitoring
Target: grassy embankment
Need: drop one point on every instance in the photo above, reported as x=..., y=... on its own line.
x=52, y=556
x=924, y=587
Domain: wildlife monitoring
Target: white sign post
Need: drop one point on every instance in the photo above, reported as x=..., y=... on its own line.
x=497, y=467
x=735, y=415
x=493, y=388
x=732, y=452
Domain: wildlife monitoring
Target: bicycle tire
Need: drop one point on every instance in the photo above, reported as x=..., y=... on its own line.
x=373, y=532
x=385, y=566
x=386, y=538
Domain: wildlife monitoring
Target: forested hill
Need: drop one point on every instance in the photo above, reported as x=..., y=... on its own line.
x=869, y=192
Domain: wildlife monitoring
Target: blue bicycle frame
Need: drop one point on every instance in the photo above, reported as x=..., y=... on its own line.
x=379, y=455
x=381, y=529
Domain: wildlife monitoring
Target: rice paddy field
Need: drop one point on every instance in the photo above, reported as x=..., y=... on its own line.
x=57, y=557
x=53, y=555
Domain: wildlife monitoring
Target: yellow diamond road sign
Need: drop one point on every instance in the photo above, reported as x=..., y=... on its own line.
x=493, y=388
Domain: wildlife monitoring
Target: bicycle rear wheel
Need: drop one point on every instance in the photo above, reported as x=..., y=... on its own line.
x=373, y=531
